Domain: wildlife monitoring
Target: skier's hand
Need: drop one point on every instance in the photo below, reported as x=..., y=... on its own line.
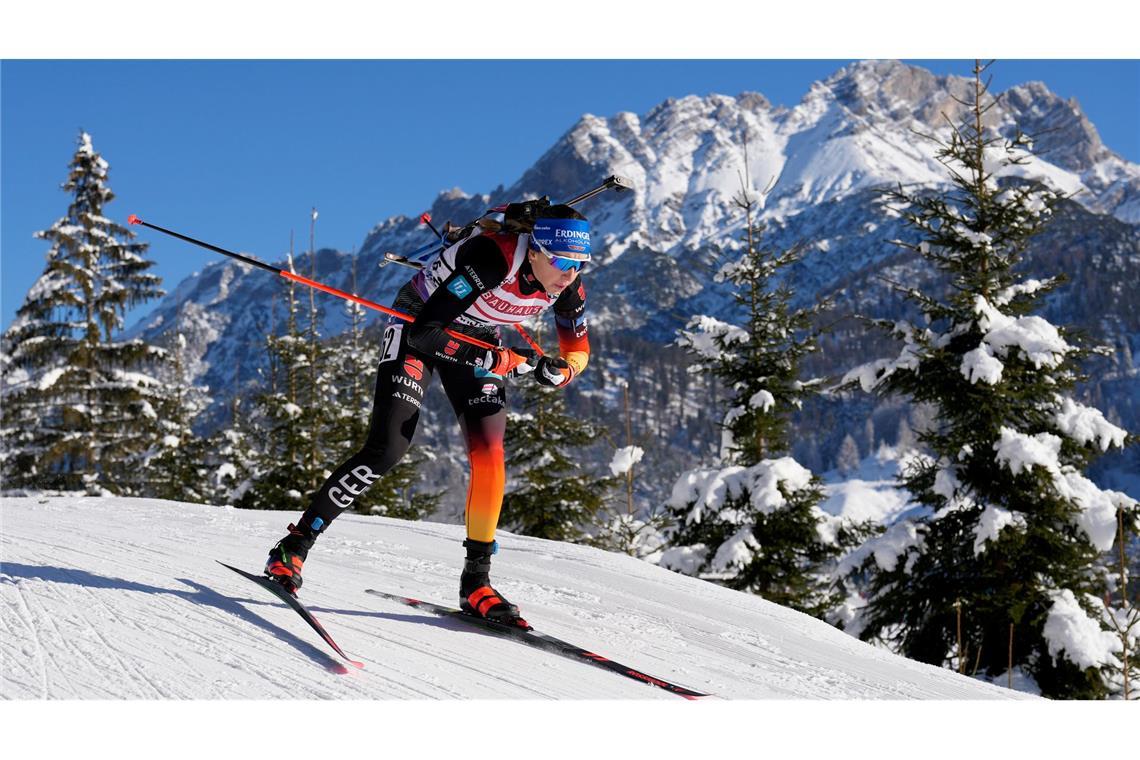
x=552, y=371
x=526, y=367
x=509, y=361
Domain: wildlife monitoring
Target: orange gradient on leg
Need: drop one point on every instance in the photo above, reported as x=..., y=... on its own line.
x=485, y=491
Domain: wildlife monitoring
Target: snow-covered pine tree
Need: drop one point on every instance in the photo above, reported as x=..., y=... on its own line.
x=904, y=437
x=1122, y=612
x=319, y=419
x=353, y=359
x=549, y=494
x=232, y=453
x=848, y=458
x=280, y=421
x=753, y=521
x=176, y=466
x=14, y=434
x=1013, y=533
x=621, y=525
x=79, y=404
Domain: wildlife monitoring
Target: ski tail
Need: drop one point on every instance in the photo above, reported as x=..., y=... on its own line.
x=543, y=641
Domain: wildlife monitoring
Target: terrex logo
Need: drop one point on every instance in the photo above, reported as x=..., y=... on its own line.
x=471, y=273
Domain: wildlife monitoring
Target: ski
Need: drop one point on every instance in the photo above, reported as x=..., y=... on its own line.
x=279, y=591
x=542, y=641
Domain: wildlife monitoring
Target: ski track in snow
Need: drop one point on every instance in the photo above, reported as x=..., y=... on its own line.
x=106, y=598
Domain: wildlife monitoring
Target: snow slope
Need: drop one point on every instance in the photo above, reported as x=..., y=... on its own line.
x=121, y=599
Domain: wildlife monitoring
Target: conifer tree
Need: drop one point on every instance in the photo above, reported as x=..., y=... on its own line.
x=176, y=466
x=621, y=525
x=847, y=461
x=549, y=494
x=231, y=454
x=80, y=406
x=753, y=522
x=1122, y=613
x=1007, y=554
x=280, y=419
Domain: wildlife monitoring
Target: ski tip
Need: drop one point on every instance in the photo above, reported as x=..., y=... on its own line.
x=134, y=219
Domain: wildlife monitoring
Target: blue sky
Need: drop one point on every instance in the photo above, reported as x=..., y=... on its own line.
x=237, y=152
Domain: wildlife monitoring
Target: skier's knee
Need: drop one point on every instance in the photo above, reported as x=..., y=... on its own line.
x=385, y=456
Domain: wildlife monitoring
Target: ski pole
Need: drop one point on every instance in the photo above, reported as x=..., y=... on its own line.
x=133, y=219
x=425, y=218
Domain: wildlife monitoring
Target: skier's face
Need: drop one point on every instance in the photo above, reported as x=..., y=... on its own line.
x=553, y=279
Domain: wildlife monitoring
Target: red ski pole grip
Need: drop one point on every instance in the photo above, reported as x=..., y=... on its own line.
x=133, y=219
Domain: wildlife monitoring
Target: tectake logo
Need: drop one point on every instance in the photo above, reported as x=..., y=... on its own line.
x=488, y=389
x=460, y=287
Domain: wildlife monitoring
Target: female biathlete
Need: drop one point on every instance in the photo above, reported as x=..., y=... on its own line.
x=475, y=286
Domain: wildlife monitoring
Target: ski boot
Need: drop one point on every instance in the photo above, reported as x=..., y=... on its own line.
x=475, y=592
x=288, y=557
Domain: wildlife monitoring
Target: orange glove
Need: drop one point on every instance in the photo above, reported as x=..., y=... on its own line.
x=500, y=361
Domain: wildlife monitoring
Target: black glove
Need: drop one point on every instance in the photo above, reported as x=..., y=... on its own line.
x=552, y=372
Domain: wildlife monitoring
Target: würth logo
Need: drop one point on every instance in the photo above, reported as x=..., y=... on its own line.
x=414, y=367
x=451, y=347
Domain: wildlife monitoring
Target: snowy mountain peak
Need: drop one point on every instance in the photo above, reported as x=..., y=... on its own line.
x=1065, y=136
x=893, y=90
x=851, y=131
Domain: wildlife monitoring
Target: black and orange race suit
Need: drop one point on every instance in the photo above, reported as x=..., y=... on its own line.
x=474, y=287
